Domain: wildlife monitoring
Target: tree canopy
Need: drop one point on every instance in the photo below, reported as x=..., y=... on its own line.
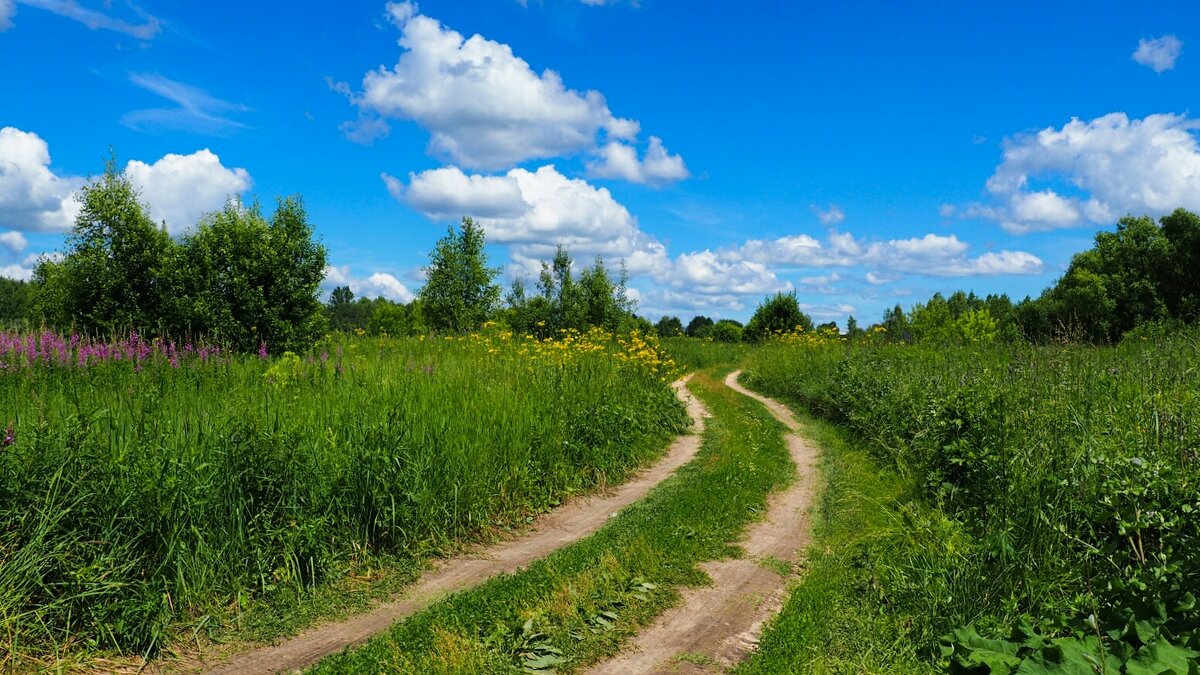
x=236, y=278
x=779, y=313
x=459, y=293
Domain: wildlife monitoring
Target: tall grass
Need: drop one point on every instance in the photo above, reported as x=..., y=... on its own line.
x=136, y=496
x=698, y=354
x=1072, y=472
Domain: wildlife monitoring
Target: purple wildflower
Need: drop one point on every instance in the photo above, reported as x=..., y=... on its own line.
x=262, y=350
x=9, y=436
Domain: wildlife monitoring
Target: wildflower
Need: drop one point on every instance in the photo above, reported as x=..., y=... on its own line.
x=9, y=436
x=262, y=350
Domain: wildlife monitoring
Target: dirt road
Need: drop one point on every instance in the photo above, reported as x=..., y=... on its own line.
x=717, y=626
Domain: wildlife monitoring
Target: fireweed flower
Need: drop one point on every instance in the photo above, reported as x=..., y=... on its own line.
x=262, y=350
x=9, y=436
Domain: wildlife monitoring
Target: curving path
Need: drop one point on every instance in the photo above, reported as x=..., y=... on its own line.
x=570, y=522
x=719, y=625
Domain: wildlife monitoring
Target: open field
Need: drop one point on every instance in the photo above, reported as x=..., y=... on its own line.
x=1065, y=483
x=156, y=491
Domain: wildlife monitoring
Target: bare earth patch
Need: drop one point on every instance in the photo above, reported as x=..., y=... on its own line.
x=569, y=523
x=716, y=626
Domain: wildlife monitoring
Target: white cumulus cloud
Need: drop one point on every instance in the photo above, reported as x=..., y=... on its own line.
x=15, y=242
x=620, y=160
x=1095, y=172
x=32, y=197
x=484, y=107
x=532, y=212
x=932, y=255
x=1158, y=54
x=181, y=188
x=178, y=189
x=378, y=284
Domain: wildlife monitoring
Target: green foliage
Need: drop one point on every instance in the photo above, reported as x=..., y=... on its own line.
x=725, y=330
x=564, y=302
x=853, y=331
x=459, y=293
x=236, y=278
x=139, y=506
x=116, y=273
x=245, y=281
x=15, y=304
x=389, y=319
x=1142, y=272
x=1071, y=471
x=698, y=326
x=1028, y=652
x=345, y=313
x=668, y=327
x=779, y=313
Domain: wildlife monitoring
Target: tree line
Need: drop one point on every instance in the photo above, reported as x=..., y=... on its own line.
x=1139, y=279
x=238, y=278
x=243, y=279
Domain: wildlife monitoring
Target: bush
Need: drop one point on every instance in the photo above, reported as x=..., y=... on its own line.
x=779, y=313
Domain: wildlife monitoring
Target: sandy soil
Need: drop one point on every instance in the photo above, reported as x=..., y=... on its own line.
x=570, y=522
x=717, y=626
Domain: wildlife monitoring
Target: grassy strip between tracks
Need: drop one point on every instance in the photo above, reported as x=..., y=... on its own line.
x=579, y=604
x=833, y=621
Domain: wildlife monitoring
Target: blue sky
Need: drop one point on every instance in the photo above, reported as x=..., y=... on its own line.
x=861, y=154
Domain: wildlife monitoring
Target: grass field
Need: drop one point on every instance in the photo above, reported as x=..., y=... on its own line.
x=1065, y=492
x=578, y=604
x=149, y=490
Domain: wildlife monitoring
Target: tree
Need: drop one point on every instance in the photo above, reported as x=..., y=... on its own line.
x=726, y=330
x=594, y=299
x=852, y=329
x=1181, y=284
x=604, y=300
x=698, y=326
x=345, y=312
x=459, y=294
x=114, y=274
x=389, y=318
x=14, y=301
x=669, y=326
x=895, y=324
x=779, y=313
x=248, y=281
x=557, y=286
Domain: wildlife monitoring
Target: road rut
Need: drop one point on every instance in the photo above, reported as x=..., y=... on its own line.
x=716, y=626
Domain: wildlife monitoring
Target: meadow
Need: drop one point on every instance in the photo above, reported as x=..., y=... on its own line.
x=149, y=489
x=1011, y=506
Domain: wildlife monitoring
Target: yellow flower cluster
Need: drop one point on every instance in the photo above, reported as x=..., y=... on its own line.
x=802, y=338
x=644, y=351
x=639, y=352
x=820, y=338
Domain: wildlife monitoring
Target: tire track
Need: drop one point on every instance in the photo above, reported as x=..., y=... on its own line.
x=716, y=626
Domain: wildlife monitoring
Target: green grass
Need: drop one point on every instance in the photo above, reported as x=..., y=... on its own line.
x=578, y=604
x=141, y=507
x=697, y=354
x=1060, y=483
x=836, y=619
